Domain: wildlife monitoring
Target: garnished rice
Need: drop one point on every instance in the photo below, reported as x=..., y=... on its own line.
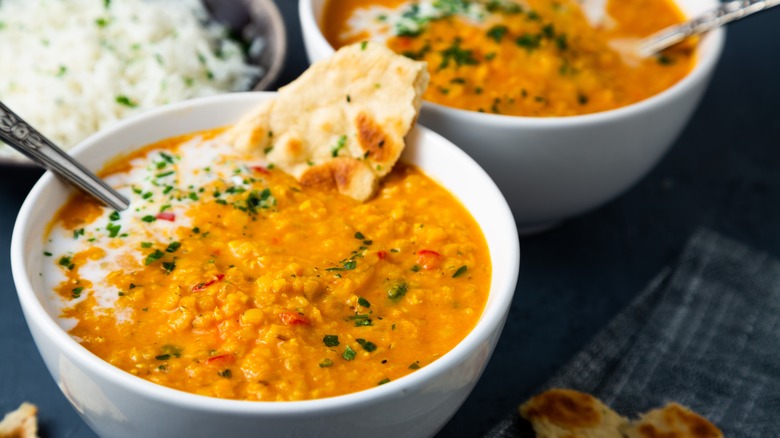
x=73, y=67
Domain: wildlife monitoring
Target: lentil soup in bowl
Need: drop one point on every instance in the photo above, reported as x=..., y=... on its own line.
x=535, y=91
x=207, y=308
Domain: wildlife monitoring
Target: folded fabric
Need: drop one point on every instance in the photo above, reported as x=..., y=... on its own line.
x=705, y=334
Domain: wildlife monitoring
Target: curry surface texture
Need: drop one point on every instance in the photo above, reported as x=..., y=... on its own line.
x=227, y=278
x=530, y=58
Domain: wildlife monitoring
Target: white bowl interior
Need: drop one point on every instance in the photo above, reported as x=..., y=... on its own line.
x=459, y=173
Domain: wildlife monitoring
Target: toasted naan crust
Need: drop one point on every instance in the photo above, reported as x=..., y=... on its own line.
x=343, y=121
x=672, y=421
x=564, y=413
x=21, y=423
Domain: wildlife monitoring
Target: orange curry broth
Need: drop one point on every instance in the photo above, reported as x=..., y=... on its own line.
x=545, y=60
x=317, y=297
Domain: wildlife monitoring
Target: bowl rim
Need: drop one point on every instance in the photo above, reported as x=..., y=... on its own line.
x=698, y=74
x=490, y=321
x=279, y=42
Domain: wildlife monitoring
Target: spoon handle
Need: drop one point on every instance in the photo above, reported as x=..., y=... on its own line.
x=723, y=14
x=24, y=138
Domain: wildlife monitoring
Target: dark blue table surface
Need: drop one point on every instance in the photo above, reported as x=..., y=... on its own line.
x=723, y=173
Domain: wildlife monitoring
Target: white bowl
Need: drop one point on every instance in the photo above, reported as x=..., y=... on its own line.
x=554, y=168
x=117, y=404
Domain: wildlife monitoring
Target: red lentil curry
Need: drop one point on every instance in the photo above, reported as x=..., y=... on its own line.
x=530, y=58
x=227, y=278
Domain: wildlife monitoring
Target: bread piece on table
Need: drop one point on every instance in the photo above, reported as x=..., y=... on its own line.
x=342, y=122
x=672, y=421
x=565, y=413
x=21, y=423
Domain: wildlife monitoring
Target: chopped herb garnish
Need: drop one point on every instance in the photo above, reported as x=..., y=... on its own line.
x=331, y=340
x=124, y=100
x=168, y=267
x=359, y=236
x=153, y=257
x=529, y=41
x=225, y=373
x=415, y=365
x=460, y=56
x=113, y=229
x=66, y=262
x=171, y=350
x=163, y=357
x=342, y=141
x=561, y=42
x=665, y=60
x=350, y=265
x=76, y=292
x=77, y=233
x=497, y=33
x=383, y=381
x=101, y=22
x=164, y=174
x=397, y=290
x=367, y=345
x=173, y=246
x=364, y=302
x=149, y=218
x=349, y=354
x=147, y=195
x=363, y=45
x=326, y=363
x=114, y=216
x=47, y=253
x=460, y=271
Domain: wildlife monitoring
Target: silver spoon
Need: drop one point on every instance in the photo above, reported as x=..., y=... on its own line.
x=18, y=134
x=721, y=15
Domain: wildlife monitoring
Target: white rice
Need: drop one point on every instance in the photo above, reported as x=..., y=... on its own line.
x=73, y=67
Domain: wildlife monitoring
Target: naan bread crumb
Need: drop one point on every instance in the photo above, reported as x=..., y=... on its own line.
x=342, y=122
x=560, y=413
x=565, y=413
x=21, y=423
x=672, y=421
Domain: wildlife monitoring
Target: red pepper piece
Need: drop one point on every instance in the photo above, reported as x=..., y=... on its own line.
x=293, y=318
x=166, y=216
x=381, y=254
x=261, y=169
x=428, y=259
x=201, y=286
x=221, y=360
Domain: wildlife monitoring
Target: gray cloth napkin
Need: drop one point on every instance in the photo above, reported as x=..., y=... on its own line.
x=706, y=335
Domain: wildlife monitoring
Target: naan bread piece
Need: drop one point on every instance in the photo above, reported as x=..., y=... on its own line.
x=672, y=421
x=342, y=122
x=21, y=423
x=564, y=413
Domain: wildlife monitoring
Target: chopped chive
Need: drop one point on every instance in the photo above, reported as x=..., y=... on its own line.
x=114, y=216
x=153, y=257
x=226, y=373
x=326, y=363
x=367, y=345
x=113, y=229
x=349, y=354
x=163, y=357
x=460, y=271
x=383, y=381
x=149, y=218
x=364, y=302
x=331, y=340
x=173, y=246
